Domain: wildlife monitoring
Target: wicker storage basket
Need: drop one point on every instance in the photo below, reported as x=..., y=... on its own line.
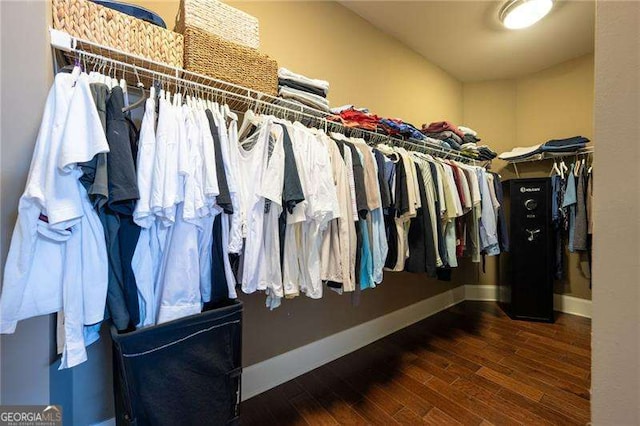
x=206, y=53
x=90, y=21
x=220, y=19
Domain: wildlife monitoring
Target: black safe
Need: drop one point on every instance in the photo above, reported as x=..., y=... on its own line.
x=526, y=272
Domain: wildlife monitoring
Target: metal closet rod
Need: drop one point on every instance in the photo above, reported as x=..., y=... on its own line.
x=247, y=97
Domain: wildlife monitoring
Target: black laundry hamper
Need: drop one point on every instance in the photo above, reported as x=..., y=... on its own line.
x=183, y=372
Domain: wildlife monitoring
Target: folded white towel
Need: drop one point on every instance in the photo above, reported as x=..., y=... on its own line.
x=290, y=75
x=470, y=146
x=519, y=152
x=468, y=131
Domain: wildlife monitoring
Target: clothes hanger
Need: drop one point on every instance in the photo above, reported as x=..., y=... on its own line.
x=249, y=121
x=563, y=168
x=123, y=86
x=92, y=73
x=107, y=76
x=114, y=79
x=176, y=98
x=555, y=169
x=577, y=167
x=141, y=101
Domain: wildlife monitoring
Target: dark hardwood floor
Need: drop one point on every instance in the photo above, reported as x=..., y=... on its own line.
x=470, y=364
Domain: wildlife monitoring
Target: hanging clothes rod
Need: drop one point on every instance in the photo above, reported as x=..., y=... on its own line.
x=136, y=68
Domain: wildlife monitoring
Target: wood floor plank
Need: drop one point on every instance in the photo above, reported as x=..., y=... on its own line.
x=511, y=384
x=563, y=398
x=417, y=372
x=549, y=414
x=256, y=412
x=434, y=370
x=473, y=377
x=281, y=409
x=407, y=398
x=539, y=372
x=382, y=398
x=312, y=411
x=437, y=417
x=554, y=363
x=372, y=413
x=472, y=404
x=339, y=408
x=475, y=356
x=448, y=406
x=454, y=358
x=326, y=375
x=408, y=417
x=558, y=345
x=581, y=415
x=514, y=342
x=510, y=409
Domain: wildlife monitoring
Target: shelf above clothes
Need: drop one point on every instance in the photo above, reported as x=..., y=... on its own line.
x=549, y=156
x=240, y=99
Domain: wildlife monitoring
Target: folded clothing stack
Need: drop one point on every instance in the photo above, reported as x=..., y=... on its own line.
x=357, y=117
x=351, y=116
x=394, y=126
x=534, y=152
x=303, y=90
x=571, y=144
x=454, y=136
x=478, y=152
x=485, y=153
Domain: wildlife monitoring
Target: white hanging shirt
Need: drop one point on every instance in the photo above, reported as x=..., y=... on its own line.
x=211, y=188
x=142, y=262
x=60, y=264
x=235, y=233
x=253, y=188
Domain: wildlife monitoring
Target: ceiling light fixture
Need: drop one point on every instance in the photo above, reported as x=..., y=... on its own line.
x=517, y=14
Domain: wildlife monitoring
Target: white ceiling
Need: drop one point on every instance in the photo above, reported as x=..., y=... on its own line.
x=466, y=39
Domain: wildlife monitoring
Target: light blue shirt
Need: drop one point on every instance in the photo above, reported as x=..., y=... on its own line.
x=570, y=201
x=488, y=227
x=366, y=259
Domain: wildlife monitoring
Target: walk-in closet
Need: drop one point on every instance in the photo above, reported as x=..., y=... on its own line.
x=319, y=212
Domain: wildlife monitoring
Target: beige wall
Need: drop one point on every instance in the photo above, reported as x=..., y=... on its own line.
x=25, y=79
x=553, y=103
x=556, y=102
x=615, y=398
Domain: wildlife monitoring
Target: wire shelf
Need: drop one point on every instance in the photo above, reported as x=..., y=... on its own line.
x=135, y=68
x=552, y=155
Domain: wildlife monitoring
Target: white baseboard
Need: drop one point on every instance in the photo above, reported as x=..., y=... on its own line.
x=572, y=305
x=267, y=374
x=488, y=293
x=563, y=303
